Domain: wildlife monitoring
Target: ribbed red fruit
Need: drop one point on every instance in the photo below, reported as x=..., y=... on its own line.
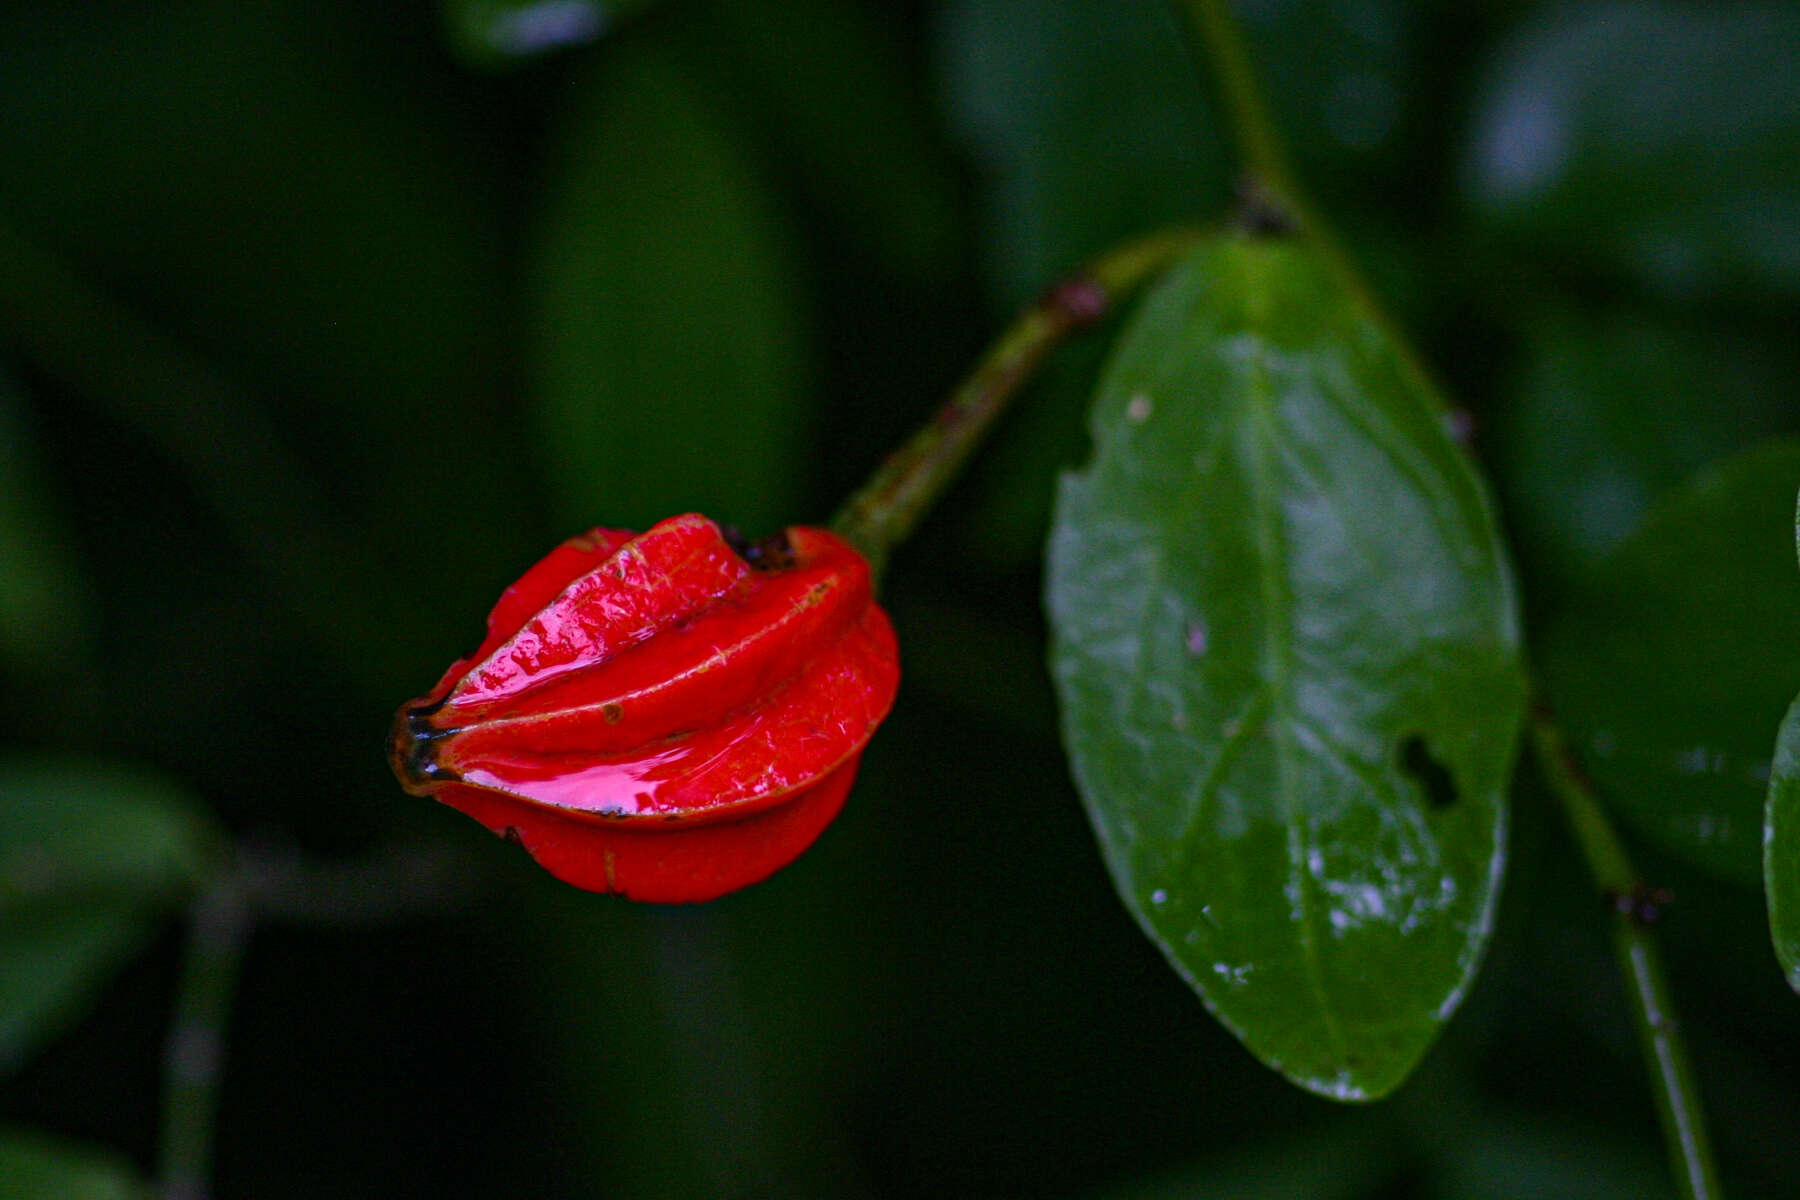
x=664, y=715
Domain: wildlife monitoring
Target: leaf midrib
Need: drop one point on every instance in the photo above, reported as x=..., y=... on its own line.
x=1262, y=420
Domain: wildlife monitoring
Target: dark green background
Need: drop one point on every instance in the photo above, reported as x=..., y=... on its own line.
x=314, y=332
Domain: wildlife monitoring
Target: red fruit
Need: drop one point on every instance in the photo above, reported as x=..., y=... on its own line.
x=662, y=716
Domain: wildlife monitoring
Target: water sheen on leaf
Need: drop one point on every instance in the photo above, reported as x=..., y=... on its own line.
x=1287, y=654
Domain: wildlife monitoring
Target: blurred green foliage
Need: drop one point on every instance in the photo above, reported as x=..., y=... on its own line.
x=34, y=1167
x=319, y=322
x=90, y=855
x=1674, y=662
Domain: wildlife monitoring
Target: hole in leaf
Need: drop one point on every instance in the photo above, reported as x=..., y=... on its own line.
x=1432, y=776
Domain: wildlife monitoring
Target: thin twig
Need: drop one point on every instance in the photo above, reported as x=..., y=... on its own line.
x=1221, y=42
x=194, y=1058
x=1634, y=908
x=885, y=509
x=267, y=880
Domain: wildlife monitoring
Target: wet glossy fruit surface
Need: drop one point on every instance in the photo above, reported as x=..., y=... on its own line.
x=665, y=716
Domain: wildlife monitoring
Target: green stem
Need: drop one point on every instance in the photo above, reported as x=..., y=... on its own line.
x=269, y=882
x=1634, y=909
x=1271, y=200
x=1221, y=42
x=881, y=513
x=193, y=1063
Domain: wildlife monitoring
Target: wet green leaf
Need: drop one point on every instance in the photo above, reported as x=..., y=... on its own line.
x=1672, y=665
x=89, y=856
x=496, y=32
x=1286, y=651
x=35, y=1166
x=1781, y=847
x=670, y=355
x=1656, y=140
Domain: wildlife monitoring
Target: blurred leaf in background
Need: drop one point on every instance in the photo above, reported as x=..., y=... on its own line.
x=1085, y=127
x=35, y=1166
x=90, y=856
x=1674, y=664
x=671, y=349
x=1607, y=414
x=1653, y=141
x=829, y=86
x=46, y=612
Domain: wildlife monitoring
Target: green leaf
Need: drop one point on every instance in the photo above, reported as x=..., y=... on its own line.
x=1607, y=415
x=34, y=1166
x=1672, y=665
x=670, y=349
x=1286, y=650
x=89, y=856
x=1781, y=847
x=1655, y=140
x=488, y=33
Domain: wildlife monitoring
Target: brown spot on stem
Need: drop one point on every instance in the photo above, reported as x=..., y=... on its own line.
x=1079, y=299
x=1260, y=213
x=1460, y=424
